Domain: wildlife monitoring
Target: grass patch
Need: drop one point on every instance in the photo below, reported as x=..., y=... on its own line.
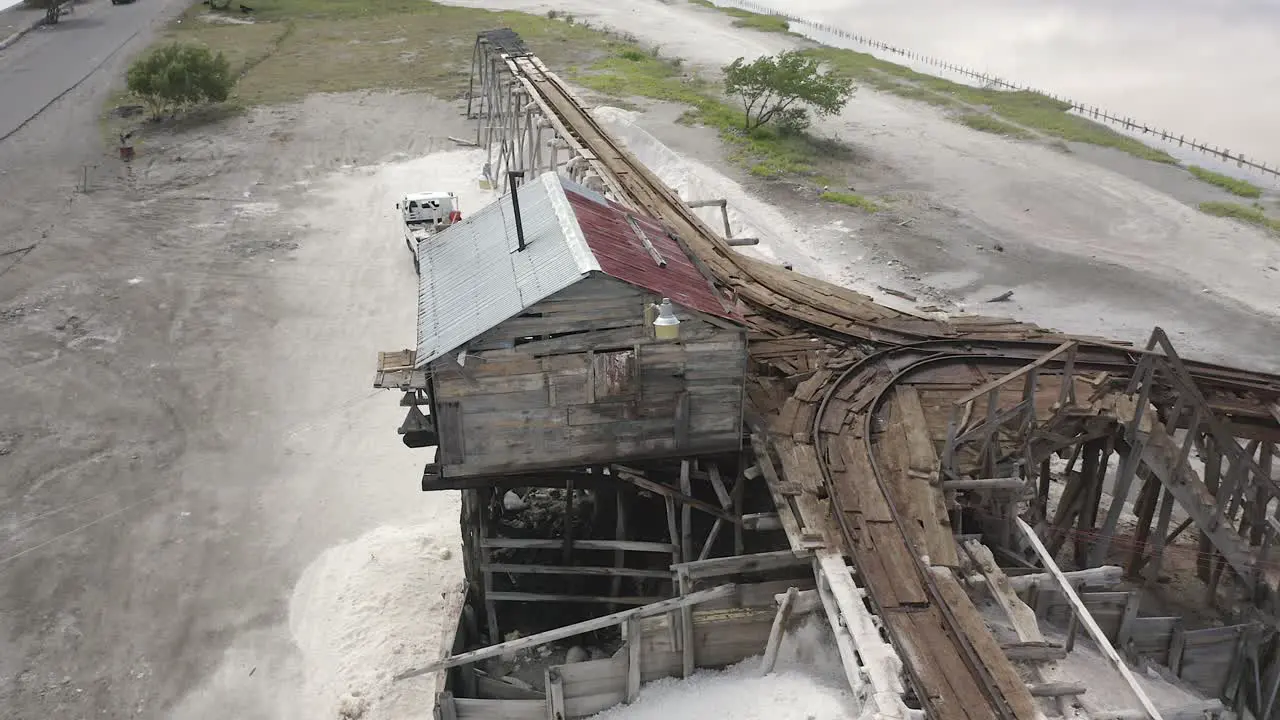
x=298, y=47
x=1026, y=109
x=1242, y=188
x=295, y=48
x=850, y=199
x=765, y=152
x=748, y=19
x=993, y=125
x=1246, y=213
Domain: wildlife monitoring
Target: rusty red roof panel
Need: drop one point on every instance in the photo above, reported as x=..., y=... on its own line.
x=622, y=253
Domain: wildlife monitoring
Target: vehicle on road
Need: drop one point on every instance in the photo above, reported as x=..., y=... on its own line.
x=121, y=2
x=424, y=215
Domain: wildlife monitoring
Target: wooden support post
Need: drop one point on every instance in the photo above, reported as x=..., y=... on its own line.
x=676, y=559
x=1127, y=617
x=568, y=522
x=674, y=533
x=483, y=500
x=555, y=694
x=1101, y=451
x=686, y=513
x=1144, y=508
x=726, y=504
x=739, y=496
x=775, y=633
x=1086, y=619
x=631, y=631
x=1124, y=479
x=688, y=657
x=1073, y=497
x=1162, y=528
x=446, y=708
x=1042, y=497
x=619, y=533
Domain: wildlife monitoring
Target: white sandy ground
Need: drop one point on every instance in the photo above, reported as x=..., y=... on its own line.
x=369, y=608
x=1032, y=199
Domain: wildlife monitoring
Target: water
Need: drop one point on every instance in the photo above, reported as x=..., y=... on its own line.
x=1209, y=69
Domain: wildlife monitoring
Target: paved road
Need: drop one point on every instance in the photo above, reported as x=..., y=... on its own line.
x=48, y=62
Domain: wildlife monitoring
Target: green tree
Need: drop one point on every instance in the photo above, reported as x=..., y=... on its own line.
x=770, y=88
x=178, y=75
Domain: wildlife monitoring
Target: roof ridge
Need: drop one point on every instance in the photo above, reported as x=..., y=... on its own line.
x=581, y=251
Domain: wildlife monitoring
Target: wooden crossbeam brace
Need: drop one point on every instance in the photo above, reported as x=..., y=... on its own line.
x=635, y=478
x=586, y=626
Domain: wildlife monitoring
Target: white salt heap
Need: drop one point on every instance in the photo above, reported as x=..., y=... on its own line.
x=807, y=684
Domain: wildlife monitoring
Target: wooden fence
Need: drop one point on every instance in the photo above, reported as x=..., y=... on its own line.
x=988, y=80
x=1209, y=660
x=724, y=632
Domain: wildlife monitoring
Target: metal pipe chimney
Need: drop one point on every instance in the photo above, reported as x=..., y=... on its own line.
x=512, y=177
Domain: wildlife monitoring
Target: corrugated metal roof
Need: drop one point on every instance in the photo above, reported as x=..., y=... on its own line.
x=474, y=277
x=622, y=254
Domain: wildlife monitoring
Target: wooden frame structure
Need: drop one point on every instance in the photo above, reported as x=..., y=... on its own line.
x=862, y=472
x=481, y=537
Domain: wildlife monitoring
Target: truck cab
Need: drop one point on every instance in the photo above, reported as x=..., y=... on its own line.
x=435, y=210
x=425, y=214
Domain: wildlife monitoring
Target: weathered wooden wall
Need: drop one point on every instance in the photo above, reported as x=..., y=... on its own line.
x=579, y=379
x=1205, y=659
x=724, y=633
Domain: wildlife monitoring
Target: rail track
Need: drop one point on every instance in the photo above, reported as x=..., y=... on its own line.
x=953, y=671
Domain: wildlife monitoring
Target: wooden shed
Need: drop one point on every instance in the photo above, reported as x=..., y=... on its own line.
x=537, y=348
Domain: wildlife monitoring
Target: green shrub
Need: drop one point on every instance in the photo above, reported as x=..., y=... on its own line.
x=179, y=75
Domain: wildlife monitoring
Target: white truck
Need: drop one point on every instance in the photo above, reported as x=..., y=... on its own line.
x=424, y=215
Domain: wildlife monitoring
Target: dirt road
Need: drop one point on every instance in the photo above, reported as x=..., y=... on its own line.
x=50, y=61
x=187, y=419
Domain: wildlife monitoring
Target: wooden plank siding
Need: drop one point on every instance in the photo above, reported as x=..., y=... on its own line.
x=579, y=379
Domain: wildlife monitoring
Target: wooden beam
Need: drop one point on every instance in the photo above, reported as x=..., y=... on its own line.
x=586, y=626
x=686, y=512
x=616, y=572
x=680, y=496
x=1004, y=483
x=631, y=631
x=775, y=632
x=1105, y=576
x=552, y=544
x=761, y=522
x=1005, y=379
x=555, y=694
x=553, y=597
x=1035, y=652
x=1086, y=619
x=619, y=533
x=1055, y=689
x=758, y=562
x=688, y=658
x=1020, y=615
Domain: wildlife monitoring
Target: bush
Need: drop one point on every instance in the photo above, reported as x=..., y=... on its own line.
x=792, y=121
x=769, y=86
x=179, y=75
